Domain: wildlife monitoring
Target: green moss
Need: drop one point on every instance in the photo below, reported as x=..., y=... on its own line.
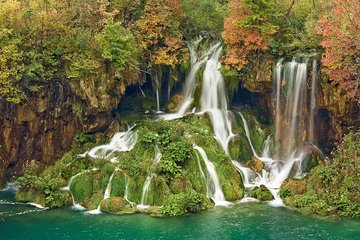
x=174, y=139
x=118, y=184
x=82, y=186
x=332, y=189
x=160, y=191
x=135, y=188
x=180, y=184
x=183, y=203
x=192, y=170
x=240, y=149
x=114, y=205
x=261, y=193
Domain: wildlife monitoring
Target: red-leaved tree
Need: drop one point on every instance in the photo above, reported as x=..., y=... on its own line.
x=340, y=29
x=247, y=29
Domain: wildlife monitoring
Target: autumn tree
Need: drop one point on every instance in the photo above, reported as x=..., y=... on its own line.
x=159, y=31
x=247, y=29
x=340, y=29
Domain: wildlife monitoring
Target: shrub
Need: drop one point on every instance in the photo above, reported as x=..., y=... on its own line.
x=182, y=203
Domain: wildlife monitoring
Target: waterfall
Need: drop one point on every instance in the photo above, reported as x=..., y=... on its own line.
x=121, y=142
x=145, y=192
x=126, y=193
x=76, y=205
x=214, y=99
x=200, y=168
x=197, y=59
x=213, y=187
x=313, y=101
x=266, y=151
x=158, y=154
x=157, y=100
x=247, y=133
x=277, y=80
x=108, y=187
x=150, y=176
x=292, y=117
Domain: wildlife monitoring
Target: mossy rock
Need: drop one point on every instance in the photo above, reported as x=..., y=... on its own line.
x=261, y=193
x=180, y=184
x=118, y=184
x=195, y=170
x=183, y=203
x=135, y=188
x=174, y=103
x=116, y=205
x=160, y=191
x=155, y=211
x=240, y=149
x=255, y=164
x=89, y=187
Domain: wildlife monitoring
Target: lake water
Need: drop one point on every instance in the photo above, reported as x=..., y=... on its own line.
x=239, y=221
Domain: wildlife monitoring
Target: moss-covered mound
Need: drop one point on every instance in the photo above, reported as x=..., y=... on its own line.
x=333, y=189
x=261, y=193
x=186, y=202
x=178, y=176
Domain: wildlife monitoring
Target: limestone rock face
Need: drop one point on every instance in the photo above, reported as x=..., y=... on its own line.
x=43, y=126
x=258, y=77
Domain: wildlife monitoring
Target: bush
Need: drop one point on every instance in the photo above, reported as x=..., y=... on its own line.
x=183, y=203
x=330, y=190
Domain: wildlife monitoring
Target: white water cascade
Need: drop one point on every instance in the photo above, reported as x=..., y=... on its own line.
x=292, y=121
x=157, y=100
x=213, y=187
x=146, y=188
x=145, y=192
x=76, y=206
x=313, y=101
x=214, y=99
x=197, y=59
x=126, y=193
x=121, y=142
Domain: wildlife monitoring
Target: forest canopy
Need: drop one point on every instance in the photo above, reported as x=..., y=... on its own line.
x=68, y=40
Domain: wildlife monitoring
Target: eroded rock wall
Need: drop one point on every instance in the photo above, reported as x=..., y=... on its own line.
x=43, y=126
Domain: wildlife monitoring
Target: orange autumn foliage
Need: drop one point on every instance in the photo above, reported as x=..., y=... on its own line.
x=241, y=41
x=159, y=31
x=340, y=29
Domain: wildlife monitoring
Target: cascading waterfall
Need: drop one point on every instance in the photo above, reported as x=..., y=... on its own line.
x=126, y=193
x=197, y=59
x=200, y=168
x=145, y=192
x=106, y=195
x=213, y=187
x=214, y=99
x=313, y=101
x=108, y=187
x=247, y=133
x=146, y=188
x=121, y=142
x=157, y=100
x=292, y=118
x=76, y=206
x=277, y=80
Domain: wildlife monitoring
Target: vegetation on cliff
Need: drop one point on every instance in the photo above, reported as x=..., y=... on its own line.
x=178, y=181
x=331, y=189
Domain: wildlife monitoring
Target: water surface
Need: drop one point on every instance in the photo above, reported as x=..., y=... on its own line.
x=239, y=221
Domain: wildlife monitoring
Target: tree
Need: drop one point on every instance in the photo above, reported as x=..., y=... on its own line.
x=340, y=29
x=205, y=15
x=159, y=31
x=248, y=28
x=118, y=46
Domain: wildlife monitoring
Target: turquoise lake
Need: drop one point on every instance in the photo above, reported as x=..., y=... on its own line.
x=239, y=221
